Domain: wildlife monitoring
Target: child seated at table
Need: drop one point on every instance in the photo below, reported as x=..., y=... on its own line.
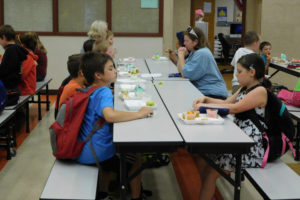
x=10, y=67
x=77, y=79
x=110, y=39
x=265, y=49
x=173, y=55
x=103, y=47
x=99, y=71
x=28, y=84
x=252, y=95
x=251, y=42
x=88, y=45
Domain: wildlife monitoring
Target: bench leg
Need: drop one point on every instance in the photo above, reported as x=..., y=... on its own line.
x=297, y=142
x=122, y=177
x=238, y=172
x=8, y=140
x=39, y=106
x=14, y=134
x=27, y=117
x=47, y=98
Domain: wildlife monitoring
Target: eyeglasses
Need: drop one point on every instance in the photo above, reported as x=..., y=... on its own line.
x=190, y=30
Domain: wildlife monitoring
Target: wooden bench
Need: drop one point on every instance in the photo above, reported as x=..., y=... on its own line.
x=275, y=181
x=70, y=180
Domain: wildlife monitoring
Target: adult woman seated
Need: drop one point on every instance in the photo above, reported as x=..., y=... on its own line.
x=97, y=32
x=200, y=66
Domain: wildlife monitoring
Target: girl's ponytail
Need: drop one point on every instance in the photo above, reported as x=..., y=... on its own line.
x=266, y=83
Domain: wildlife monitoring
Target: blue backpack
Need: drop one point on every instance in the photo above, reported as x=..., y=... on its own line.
x=3, y=96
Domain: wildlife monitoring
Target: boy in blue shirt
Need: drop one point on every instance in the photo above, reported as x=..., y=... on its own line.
x=98, y=70
x=265, y=49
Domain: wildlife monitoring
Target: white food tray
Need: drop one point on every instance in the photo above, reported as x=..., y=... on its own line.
x=202, y=119
x=160, y=58
x=135, y=105
x=130, y=95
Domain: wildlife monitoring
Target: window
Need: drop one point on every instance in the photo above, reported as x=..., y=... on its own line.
x=26, y=15
x=79, y=16
x=74, y=17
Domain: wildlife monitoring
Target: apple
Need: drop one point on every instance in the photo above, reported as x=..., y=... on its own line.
x=150, y=103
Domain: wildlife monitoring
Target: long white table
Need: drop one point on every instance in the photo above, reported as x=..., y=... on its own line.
x=165, y=68
x=227, y=138
x=164, y=132
x=284, y=68
x=153, y=134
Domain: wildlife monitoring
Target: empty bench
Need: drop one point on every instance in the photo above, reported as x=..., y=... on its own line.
x=275, y=181
x=70, y=180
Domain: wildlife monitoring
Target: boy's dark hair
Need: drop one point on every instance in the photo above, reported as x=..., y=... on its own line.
x=88, y=45
x=250, y=37
x=74, y=64
x=29, y=40
x=202, y=40
x=8, y=32
x=263, y=44
x=93, y=62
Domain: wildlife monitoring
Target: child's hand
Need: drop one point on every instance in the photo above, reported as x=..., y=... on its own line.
x=268, y=58
x=145, y=112
x=167, y=50
x=198, y=101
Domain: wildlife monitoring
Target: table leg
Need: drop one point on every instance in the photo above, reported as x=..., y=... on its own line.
x=27, y=117
x=122, y=177
x=39, y=106
x=47, y=97
x=238, y=173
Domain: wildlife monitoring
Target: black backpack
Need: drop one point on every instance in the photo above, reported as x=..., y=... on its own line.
x=277, y=138
x=3, y=96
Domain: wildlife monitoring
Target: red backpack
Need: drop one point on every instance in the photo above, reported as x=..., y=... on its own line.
x=65, y=130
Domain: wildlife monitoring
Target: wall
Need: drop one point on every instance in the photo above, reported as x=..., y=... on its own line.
x=253, y=16
x=280, y=25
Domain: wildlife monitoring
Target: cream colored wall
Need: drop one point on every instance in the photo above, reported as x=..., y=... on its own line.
x=280, y=25
x=253, y=15
x=176, y=18
x=168, y=25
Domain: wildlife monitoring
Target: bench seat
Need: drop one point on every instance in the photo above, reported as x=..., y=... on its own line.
x=70, y=180
x=275, y=181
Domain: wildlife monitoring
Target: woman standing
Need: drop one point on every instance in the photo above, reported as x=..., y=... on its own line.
x=200, y=66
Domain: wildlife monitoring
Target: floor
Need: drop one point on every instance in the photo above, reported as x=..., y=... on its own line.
x=24, y=177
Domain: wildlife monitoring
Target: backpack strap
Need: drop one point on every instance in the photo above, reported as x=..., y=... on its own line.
x=97, y=125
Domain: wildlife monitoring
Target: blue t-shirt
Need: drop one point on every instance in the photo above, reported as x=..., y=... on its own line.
x=202, y=70
x=102, y=140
